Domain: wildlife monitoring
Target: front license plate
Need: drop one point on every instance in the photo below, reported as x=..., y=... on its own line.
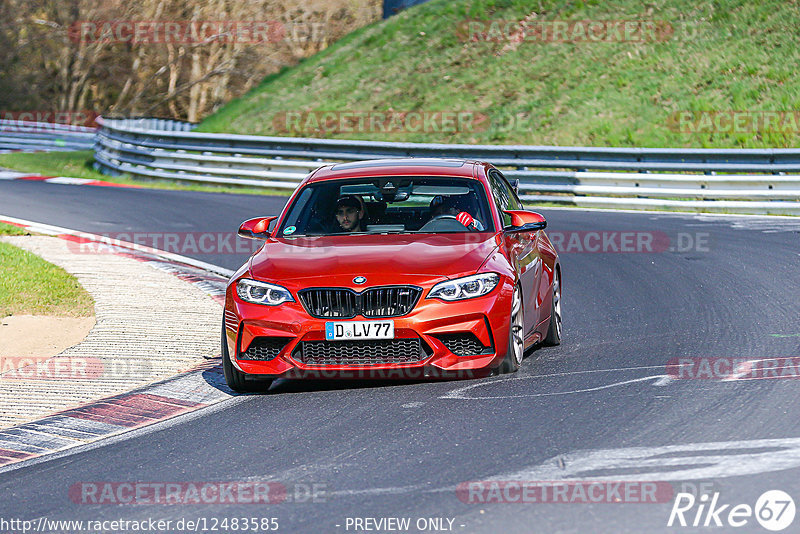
x=352, y=330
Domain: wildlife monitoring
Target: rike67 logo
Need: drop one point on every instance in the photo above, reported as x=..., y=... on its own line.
x=774, y=510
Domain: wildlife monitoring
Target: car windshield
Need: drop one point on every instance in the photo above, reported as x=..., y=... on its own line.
x=389, y=205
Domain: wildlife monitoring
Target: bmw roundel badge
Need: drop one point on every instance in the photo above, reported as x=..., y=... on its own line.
x=359, y=280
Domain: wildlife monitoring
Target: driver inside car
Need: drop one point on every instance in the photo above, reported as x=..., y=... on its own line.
x=455, y=206
x=349, y=213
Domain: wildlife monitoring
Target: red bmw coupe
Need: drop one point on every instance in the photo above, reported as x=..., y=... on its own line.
x=401, y=268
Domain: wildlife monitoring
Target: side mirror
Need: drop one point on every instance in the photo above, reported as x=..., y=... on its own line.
x=257, y=228
x=525, y=221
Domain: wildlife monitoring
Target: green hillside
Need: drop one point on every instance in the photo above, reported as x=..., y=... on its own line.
x=709, y=57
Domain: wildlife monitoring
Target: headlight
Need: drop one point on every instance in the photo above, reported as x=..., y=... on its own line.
x=465, y=288
x=262, y=293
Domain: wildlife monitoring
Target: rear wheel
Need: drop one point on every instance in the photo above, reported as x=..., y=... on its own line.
x=235, y=378
x=554, y=330
x=516, y=343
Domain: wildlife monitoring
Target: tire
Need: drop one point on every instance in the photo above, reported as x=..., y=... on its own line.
x=553, y=337
x=516, y=342
x=236, y=379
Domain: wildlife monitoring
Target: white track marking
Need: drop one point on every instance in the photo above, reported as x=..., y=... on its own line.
x=663, y=381
x=746, y=368
x=12, y=175
x=459, y=392
x=699, y=461
x=743, y=369
x=49, y=229
x=66, y=180
x=767, y=224
x=566, y=373
x=691, y=461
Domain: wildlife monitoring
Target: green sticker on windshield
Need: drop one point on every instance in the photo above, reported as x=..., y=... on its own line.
x=289, y=230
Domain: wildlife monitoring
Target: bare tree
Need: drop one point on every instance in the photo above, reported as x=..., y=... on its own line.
x=69, y=54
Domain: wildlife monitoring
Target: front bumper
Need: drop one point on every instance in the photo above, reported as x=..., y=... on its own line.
x=434, y=322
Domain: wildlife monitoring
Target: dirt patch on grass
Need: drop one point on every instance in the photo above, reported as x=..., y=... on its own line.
x=27, y=336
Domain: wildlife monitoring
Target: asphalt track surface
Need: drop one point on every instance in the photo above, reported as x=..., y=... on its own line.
x=400, y=450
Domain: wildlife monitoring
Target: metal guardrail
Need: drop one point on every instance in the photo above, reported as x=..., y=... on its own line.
x=754, y=180
x=30, y=136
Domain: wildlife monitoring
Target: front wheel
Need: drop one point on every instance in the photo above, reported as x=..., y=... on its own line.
x=516, y=343
x=235, y=378
x=554, y=330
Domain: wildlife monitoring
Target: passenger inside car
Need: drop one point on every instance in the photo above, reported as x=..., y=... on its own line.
x=459, y=206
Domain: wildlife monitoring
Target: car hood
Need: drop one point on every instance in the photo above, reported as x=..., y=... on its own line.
x=381, y=258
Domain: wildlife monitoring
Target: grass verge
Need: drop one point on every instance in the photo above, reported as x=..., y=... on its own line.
x=31, y=286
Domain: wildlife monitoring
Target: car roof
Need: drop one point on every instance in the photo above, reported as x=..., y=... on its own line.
x=398, y=167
